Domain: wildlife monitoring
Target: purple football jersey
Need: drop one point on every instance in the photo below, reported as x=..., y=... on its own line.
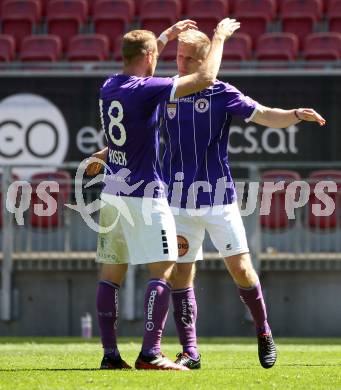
x=128, y=115
x=195, y=130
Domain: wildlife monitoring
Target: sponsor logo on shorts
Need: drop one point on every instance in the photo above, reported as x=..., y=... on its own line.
x=183, y=245
x=202, y=105
x=164, y=242
x=228, y=247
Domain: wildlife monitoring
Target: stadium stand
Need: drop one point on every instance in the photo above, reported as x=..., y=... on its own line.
x=90, y=47
x=322, y=46
x=63, y=178
x=300, y=17
x=111, y=18
x=41, y=48
x=329, y=221
x=277, y=47
x=158, y=15
x=238, y=48
x=277, y=218
x=19, y=18
x=117, y=53
x=334, y=15
x=169, y=52
x=7, y=48
x=64, y=18
x=254, y=16
x=207, y=13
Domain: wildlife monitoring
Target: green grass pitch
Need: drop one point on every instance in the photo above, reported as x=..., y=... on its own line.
x=70, y=363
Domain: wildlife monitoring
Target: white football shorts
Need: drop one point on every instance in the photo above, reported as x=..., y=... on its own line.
x=223, y=223
x=138, y=231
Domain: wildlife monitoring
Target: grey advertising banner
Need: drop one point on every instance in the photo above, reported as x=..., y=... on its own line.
x=55, y=119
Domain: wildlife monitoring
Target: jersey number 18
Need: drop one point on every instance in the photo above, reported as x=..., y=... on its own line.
x=115, y=121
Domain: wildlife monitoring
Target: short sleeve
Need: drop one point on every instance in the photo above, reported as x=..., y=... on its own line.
x=238, y=104
x=158, y=89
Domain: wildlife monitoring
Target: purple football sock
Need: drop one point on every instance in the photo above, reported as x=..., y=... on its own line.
x=253, y=299
x=156, y=305
x=107, y=314
x=185, y=316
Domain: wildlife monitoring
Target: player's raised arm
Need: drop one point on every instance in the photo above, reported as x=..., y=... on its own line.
x=209, y=69
x=173, y=32
x=278, y=118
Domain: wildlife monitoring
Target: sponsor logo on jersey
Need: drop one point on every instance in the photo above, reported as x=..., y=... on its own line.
x=186, y=100
x=171, y=110
x=201, y=105
x=183, y=245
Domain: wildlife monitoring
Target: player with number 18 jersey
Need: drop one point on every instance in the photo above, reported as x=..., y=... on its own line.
x=128, y=114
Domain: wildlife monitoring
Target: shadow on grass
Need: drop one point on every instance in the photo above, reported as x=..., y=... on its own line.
x=172, y=340
x=48, y=369
x=251, y=367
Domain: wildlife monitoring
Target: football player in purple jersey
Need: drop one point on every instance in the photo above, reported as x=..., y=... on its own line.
x=128, y=103
x=195, y=129
x=195, y=167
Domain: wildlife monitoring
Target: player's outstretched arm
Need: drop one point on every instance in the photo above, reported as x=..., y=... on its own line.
x=209, y=69
x=278, y=118
x=94, y=167
x=173, y=32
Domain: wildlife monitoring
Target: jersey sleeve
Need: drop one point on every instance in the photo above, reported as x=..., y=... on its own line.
x=238, y=104
x=158, y=89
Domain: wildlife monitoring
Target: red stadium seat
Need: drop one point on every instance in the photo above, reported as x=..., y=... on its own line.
x=157, y=15
x=91, y=47
x=41, y=48
x=324, y=222
x=237, y=48
x=207, y=13
x=117, y=52
x=169, y=52
x=19, y=17
x=334, y=15
x=277, y=218
x=299, y=17
x=7, y=48
x=322, y=46
x=63, y=178
x=254, y=16
x=232, y=6
x=112, y=17
x=277, y=47
x=140, y=5
x=64, y=18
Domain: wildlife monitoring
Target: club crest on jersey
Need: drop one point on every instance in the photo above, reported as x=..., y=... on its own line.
x=202, y=105
x=171, y=110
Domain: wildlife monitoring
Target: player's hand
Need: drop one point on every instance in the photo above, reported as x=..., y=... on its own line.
x=310, y=115
x=94, y=167
x=227, y=27
x=179, y=27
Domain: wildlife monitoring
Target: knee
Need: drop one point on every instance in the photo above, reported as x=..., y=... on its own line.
x=183, y=276
x=241, y=270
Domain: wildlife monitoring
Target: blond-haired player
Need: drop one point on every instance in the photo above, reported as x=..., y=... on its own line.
x=127, y=107
x=195, y=130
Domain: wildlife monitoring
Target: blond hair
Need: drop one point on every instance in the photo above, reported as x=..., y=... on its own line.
x=196, y=38
x=137, y=43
